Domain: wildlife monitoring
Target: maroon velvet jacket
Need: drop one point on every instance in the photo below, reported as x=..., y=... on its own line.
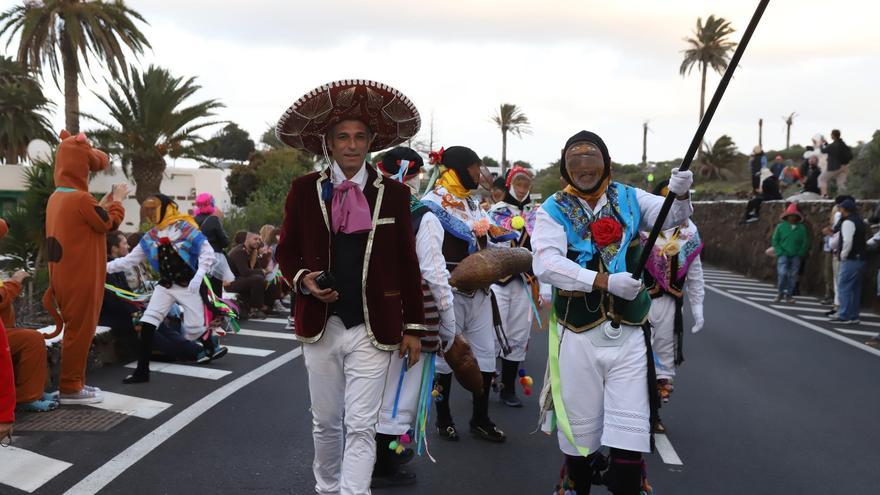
x=391, y=292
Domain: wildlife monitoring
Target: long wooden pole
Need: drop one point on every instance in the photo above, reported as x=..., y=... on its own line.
x=701, y=132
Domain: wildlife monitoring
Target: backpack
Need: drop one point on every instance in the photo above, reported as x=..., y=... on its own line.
x=846, y=154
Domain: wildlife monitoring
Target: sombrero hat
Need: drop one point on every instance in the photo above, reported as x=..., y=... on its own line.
x=389, y=113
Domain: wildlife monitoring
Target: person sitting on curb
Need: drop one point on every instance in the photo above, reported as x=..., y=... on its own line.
x=249, y=262
x=790, y=242
x=27, y=350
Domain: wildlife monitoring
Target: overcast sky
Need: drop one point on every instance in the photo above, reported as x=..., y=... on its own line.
x=570, y=65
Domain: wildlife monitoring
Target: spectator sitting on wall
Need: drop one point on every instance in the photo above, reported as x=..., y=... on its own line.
x=249, y=262
x=777, y=166
x=810, y=189
x=769, y=191
x=839, y=156
x=790, y=242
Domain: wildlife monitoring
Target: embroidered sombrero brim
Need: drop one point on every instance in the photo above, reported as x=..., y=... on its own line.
x=389, y=113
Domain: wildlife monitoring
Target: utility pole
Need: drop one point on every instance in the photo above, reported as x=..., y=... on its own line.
x=431, y=135
x=645, y=144
x=789, y=121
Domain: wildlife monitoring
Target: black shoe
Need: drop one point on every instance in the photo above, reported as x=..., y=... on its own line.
x=257, y=315
x=448, y=433
x=404, y=457
x=659, y=427
x=137, y=377
x=400, y=477
x=219, y=353
x=488, y=432
x=510, y=400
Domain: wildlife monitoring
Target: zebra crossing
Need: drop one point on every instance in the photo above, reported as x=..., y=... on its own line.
x=26, y=468
x=805, y=308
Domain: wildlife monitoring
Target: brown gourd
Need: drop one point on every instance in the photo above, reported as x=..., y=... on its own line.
x=487, y=266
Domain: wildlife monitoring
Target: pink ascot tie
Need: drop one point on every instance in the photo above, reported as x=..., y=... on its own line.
x=351, y=213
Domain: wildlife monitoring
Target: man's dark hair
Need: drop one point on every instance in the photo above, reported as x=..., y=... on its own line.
x=332, y=130
x=135, y=238
x=240, y=237
x=835, y=134
x=114, y=237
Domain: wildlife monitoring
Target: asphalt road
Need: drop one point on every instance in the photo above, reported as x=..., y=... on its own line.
x=770, y=400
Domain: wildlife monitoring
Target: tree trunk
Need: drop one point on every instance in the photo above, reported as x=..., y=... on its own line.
x=645, y=144
x=702, y=107
x=70, y=65
x=761, y=133
x=788, y=135
x=147, y=174
x=503, y=152
x=11, y=157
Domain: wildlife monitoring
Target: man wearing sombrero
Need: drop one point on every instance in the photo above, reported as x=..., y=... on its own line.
x=673, y=270
x=347, y=248
x=585, y=244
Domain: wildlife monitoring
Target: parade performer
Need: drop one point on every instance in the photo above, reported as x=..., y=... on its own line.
x=182, y=256
x=348, y=250
x=27, y=348
x=466, y=228
x=76, y=249
x=407, y=397
x=517, y=295
x=585, y=243
x=673, y=270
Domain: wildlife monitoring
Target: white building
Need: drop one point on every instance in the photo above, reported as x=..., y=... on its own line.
x=182, y=184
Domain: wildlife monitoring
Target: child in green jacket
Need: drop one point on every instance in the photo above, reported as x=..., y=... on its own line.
x=790, y=242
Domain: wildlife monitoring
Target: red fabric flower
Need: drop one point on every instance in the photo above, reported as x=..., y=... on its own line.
x=164, y=240
x=606, y=231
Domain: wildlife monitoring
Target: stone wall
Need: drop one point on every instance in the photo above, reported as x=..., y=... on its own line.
x=740, y=247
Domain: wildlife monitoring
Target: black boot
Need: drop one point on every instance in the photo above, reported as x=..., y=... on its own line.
x=145, y=350
x=580, y=473
x=481, y=425
x=509, y=372
x=386, y=471
x=624, y=476
x=445, y=425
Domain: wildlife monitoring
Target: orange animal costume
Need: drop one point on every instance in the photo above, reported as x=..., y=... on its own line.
x=76, y=248
x=26, y=346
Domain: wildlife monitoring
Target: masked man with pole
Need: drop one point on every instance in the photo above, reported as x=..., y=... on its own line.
x=348, y=250
x=586, y=244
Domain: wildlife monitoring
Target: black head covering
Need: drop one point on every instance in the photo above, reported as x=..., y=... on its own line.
x=459, y=158
x=658, y=189
x=165, y=201
x=499, y=183
x=592, y=138
x=390, y=161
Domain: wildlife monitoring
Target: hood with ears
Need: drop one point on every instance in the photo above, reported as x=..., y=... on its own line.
x=75, y=159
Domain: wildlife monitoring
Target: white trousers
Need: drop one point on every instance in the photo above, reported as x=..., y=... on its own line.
x=409, y=396
x=605, y=390
x=346, y=379
x=191, y=304
x=662, y=318
x=473, y=320
x=515, y=306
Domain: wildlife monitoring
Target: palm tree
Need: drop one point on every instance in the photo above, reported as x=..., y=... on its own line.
x=150, y=118
x=510, y=118
x=72, y=31
x=709, y=47
x=718, y=158
x=22, y=107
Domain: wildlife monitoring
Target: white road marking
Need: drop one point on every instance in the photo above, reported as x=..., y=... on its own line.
x=724, y=277
x=26, y=470
x=795, y=319
x=762, y=292
x=862, y=333
x=185, y=370
x=825, y=319
x=266, y=334
x=770, y=299
x=248, y=351
x=665, y=449
x=132, y=406
x=283, y=321
x=105, y=474
x=799, y=308
x=745, y=285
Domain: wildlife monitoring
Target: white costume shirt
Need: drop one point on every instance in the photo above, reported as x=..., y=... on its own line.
x=550, y=244
x=138, y=257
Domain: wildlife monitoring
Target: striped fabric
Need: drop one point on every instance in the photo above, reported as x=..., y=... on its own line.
x=431, y=338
